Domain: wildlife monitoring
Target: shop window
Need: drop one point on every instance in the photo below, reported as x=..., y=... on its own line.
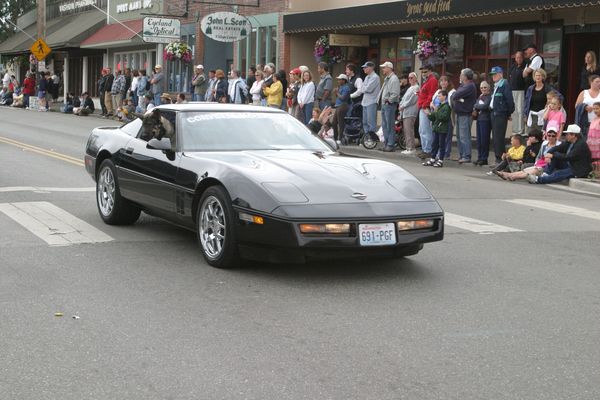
x=550, y=38
x=521, y=38
x=399, y=51
x=499, y=43
x=479, y=44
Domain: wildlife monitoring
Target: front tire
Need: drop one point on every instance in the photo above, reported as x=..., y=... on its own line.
x=370, y=140
x=113, y=208
x=215, y=228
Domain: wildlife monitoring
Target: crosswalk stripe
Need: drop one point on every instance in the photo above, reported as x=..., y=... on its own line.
x=476, y=225
x=52, y=224
x=555, y=207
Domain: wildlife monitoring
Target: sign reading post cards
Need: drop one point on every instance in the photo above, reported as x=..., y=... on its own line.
x=161, y=30
x=40, y=49
x=226, y=26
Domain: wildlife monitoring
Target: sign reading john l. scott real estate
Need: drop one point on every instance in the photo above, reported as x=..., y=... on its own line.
x=226, y=26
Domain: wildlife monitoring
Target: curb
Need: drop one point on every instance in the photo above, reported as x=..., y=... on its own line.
x=585, y=185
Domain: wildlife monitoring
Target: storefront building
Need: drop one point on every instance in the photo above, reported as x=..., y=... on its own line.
x=121, y=40
x=481, y=34
x=68, y=23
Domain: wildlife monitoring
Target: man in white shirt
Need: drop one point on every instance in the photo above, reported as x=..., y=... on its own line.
x=535, y=62
x=369, y=90
x=237, y=86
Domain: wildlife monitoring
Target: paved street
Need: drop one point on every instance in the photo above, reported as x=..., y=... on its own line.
x=506, y=307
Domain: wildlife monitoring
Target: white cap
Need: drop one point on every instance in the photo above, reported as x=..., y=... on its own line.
x=387, y=64
x=342, y=76
x=158, y=66
x=573, y=129
x=199, y=66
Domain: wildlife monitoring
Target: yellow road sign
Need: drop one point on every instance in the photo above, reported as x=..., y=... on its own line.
x=40, y=49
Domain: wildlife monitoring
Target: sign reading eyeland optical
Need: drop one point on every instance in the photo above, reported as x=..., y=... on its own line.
x=161, y=30
x=226, y=26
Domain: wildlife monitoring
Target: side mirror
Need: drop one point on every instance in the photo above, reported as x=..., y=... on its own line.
x=332, y=143
x=163, y=144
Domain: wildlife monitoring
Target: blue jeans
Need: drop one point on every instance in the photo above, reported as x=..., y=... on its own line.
x=425, y=132
x=555, y=174
x=463, y=122
x=369, y=118
x=388, y=117
x=134, y=98
x=307, y=112
x=157, y=99
x=448, y=144
x=483, y=139
x=438, y=146
x=324, y=103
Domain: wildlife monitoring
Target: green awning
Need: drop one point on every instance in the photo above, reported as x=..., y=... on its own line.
x=62, y=32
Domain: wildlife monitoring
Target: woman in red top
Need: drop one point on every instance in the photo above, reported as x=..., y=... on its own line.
x=28, y=89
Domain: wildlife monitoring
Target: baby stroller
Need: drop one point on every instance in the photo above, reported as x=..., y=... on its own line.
x=353, y=131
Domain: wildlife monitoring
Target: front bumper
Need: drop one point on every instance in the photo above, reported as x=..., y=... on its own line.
x=280, y=240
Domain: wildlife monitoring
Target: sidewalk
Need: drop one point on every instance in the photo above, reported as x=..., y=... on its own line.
x=579, y=185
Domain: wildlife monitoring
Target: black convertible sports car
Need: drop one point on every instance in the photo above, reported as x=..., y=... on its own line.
x=254, y=183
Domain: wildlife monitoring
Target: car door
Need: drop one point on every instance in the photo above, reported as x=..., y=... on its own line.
x=147, y=176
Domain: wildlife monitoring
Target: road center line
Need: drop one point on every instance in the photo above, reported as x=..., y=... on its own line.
x=39, y=150
x=52, y=224
x=476, y=225
x=555, y=207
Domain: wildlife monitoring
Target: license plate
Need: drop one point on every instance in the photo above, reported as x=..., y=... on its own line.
x=377, y=234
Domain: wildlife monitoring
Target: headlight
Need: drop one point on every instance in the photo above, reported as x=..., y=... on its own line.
x=414, y=225
x=325, y=228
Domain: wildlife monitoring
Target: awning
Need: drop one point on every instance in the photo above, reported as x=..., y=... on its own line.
x=62, y=32
x=415, y=11
x=114, y=35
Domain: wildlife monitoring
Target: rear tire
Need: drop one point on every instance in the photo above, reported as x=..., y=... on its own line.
x=370, y=140
x=113, y=208
x=215, y=219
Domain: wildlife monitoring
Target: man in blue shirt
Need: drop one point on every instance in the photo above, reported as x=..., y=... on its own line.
x=341, y=106
x=502, y=106
x=369, y=90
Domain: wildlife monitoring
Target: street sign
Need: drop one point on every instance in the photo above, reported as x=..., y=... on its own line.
x=161, y=30
x=40, y=49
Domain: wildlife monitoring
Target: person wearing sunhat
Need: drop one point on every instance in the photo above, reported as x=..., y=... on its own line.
x=570, y=159
x=369, y=90
x=342, y=102
x=428, y=89
x=502, y=106
x=388, y=99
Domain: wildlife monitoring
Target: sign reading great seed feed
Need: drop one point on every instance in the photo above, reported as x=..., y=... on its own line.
x=226, y=26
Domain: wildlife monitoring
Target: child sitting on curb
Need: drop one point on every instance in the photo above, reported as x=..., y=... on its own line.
x=512, y=157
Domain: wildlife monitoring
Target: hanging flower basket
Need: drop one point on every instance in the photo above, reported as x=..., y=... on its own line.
x=431, y=43
x=323, y=52
x=178, y=51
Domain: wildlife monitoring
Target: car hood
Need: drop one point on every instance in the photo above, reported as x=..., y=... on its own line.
x=302, y=176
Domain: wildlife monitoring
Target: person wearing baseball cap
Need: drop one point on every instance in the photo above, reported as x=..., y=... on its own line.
x=369, y=90
x=535, y=62
x=570, y=159
x=502, y=106
x=388, y=99
x=158, y=84
x=428, y=89
x=199, y=83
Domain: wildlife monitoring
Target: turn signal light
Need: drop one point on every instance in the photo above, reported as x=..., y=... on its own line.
x=255, y=219
x=414, y=225
x=325, y=228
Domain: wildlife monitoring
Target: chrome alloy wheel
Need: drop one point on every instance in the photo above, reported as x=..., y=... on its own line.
x=106, y=191
x=212, y=227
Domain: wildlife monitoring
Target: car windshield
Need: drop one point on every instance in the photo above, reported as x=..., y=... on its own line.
x=230, y=131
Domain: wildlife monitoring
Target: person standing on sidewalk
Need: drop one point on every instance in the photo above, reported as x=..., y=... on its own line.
x=101, y=91
x=484, y=124
x=325, y=86
x=502, y=106
x=518, y=86
x=158, y=84
x=428, y=89
x=199, y=84
x=118, y=90
x=108, y=82
x=369, y=90
x=388, y=99
x=342, y=102
x=464, y=100
x=408, y=111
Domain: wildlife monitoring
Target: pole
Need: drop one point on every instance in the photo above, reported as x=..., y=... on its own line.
x=41, y=19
